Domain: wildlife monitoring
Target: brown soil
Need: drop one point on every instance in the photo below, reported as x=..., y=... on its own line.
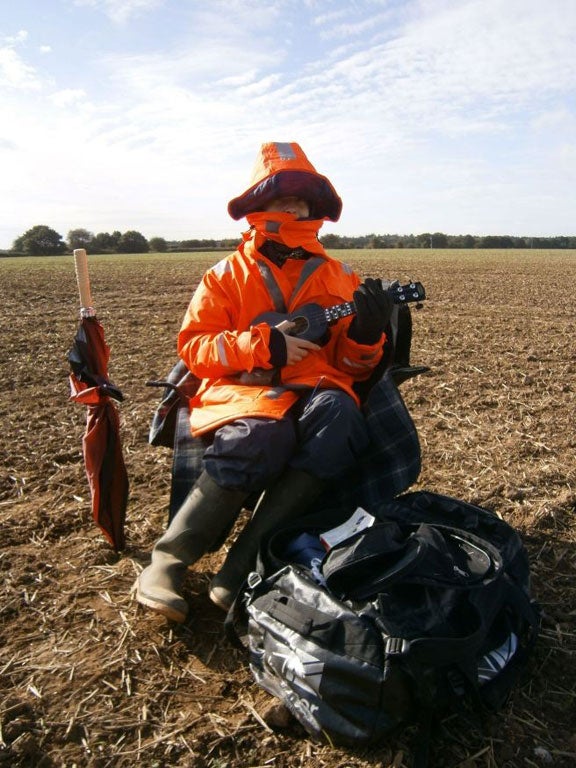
x=88, y=678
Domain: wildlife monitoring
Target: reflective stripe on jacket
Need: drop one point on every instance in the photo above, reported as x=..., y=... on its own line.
x=218, y=340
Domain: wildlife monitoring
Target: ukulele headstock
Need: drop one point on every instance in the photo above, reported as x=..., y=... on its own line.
x=408, y=293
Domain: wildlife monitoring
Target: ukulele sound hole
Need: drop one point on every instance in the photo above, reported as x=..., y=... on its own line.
x=301, y=325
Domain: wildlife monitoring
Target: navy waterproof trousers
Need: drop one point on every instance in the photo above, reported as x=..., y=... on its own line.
x=323, y=434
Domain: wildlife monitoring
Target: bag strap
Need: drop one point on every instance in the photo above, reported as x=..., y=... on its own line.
x=527, y=608
x=423, y=738
x=372, y=560
x=236, y=625
x=460, y=651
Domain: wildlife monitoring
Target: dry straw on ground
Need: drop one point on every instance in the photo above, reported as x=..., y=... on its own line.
x=89, y=679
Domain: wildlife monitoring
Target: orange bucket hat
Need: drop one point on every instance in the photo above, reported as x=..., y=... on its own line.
x=283, y=170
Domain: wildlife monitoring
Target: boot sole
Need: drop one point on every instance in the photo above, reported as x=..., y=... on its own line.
x=166, y=610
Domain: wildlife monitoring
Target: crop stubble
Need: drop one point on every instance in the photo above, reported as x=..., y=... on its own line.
x=89, y=679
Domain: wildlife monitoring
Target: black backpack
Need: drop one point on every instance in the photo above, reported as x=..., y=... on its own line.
x=427, y=610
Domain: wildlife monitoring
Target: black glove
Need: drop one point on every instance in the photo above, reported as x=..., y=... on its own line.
x=373, y=309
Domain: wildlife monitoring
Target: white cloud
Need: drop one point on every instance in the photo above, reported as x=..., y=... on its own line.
x=121, y=11
x=560, y=120
x=20, y=37
x=500, y=49
x=68, y=96
x=327, y=19
x=15, y=73
x=8, y=145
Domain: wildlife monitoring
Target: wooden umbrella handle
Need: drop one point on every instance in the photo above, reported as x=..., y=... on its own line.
x=83, y=280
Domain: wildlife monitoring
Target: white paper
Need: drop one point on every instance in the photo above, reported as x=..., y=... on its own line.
x=357, y=522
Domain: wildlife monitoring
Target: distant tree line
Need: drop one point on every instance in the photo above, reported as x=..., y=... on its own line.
x=44, y=241
x=440, y=240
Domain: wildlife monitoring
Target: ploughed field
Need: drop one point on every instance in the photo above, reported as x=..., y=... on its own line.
x=88, y=678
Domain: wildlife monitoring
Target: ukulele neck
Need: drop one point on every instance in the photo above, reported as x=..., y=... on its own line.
x=401, y=294
x=338, y=311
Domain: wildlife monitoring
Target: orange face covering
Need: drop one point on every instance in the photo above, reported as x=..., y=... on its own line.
x=285, y=228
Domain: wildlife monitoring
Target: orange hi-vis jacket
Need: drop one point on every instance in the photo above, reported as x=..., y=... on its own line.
x=218, y=340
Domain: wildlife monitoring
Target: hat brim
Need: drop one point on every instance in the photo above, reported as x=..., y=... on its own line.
x=315, y=189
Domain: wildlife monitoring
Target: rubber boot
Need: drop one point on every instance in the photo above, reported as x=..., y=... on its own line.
x=207, y=511
x=288, y=498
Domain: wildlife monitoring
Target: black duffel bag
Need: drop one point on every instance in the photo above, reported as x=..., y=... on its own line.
x=425, y=610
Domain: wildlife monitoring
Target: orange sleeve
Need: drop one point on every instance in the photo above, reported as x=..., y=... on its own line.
x=209, y=342
x=358, y=360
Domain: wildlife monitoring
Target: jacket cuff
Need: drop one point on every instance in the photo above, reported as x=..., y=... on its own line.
x=277, y=347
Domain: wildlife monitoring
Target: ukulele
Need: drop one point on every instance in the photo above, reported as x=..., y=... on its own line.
x=312, y=320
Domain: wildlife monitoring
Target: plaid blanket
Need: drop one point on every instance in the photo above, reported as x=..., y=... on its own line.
x=389, y=467
x=392, y=462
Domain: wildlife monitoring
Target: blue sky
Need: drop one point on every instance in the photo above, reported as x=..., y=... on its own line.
x=456, y=116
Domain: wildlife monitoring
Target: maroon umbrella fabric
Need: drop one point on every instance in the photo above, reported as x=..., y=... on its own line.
x=101, y=444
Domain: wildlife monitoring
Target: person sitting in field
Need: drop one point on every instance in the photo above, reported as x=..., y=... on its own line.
x=278, y=412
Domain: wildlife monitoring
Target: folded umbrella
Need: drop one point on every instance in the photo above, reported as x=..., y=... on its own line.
x=101, y=444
